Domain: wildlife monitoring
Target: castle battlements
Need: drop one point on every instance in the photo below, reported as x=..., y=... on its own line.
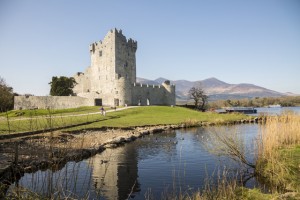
x=118, y=36
x=153, y=86
x=146, y=85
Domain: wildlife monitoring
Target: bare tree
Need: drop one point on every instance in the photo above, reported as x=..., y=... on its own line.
x=197, y=93
x=229, y=144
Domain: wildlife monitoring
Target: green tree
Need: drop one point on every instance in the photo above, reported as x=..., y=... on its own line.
x=198, y=95
x=6, y=96
x=62, y=86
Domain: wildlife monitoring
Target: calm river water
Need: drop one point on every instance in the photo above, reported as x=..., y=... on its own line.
x=150, y=166
x=279, y=110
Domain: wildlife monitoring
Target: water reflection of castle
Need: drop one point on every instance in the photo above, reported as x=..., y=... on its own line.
x=115, y=172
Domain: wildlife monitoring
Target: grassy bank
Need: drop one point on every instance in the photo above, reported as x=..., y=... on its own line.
x=44, y=112
x=139, y=116
x=277, y=162
x=160, y=115
x=34, y=123
x=279, y=152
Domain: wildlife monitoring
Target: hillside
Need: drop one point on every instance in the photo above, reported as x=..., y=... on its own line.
x=216, y=88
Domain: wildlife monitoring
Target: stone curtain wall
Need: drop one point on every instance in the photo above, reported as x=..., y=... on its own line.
x=153, y=95
x=53, y=102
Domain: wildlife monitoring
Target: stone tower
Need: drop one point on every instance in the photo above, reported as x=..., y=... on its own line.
x=111, y=78
x=112, y=70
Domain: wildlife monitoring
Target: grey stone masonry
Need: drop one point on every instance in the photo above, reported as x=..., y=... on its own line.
x=110, y=80
x=53, y=102
x=112, y=75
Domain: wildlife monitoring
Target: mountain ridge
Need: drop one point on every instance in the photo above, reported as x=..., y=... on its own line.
x=216, y=88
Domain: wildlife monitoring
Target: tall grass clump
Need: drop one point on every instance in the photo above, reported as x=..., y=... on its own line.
x=191, y=122
x=277, y=135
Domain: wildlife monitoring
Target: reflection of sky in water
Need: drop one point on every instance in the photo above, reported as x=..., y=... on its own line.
x=176, y=159
x=188, y=165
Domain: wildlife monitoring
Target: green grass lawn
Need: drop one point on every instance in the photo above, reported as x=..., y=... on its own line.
x=159, y=115
x=42, y=123
x=44, y=112
x=139, y=116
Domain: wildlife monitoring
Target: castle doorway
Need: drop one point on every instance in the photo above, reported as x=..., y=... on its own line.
x=148, y=102
x=98, y=102
x=116, y=102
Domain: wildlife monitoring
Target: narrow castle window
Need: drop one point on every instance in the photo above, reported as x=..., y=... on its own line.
x=100, y=53
x=126, y=64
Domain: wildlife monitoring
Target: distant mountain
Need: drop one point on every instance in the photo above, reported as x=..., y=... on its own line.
x=291, y=94
x=217, y=89
x=146, y=81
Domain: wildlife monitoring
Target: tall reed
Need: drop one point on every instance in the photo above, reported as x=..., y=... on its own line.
x=278, y=133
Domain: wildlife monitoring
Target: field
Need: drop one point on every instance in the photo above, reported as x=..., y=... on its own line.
x=90, y=118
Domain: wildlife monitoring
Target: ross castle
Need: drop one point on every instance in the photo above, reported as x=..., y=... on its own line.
x=109, y=81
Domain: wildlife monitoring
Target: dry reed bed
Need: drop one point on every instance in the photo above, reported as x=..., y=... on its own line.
x=278, y=134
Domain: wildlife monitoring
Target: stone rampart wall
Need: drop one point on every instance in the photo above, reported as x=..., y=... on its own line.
x=53, y=102
x=152, y=95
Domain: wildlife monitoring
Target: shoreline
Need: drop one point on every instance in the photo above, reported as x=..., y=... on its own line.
x=52, y=150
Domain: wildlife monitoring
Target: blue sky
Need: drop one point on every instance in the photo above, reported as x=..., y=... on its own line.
x=235, y=41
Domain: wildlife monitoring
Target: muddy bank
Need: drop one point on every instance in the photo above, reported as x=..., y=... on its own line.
x=54, y=149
